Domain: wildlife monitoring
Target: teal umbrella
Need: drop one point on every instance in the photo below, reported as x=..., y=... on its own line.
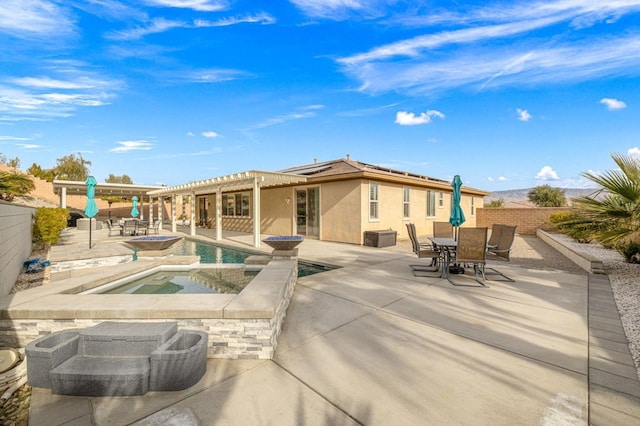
x=134, y=210
x=92, y=208
x=457, y=215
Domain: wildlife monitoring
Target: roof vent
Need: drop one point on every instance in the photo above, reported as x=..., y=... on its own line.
x=348, y=157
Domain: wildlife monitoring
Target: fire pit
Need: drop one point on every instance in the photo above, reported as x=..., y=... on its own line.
x=153, y=242
x=283, y=242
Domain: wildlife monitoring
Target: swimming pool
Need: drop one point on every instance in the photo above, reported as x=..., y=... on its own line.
x=215, y=253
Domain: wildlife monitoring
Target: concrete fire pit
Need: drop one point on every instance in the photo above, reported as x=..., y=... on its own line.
x=153, y=242
x=283, y=242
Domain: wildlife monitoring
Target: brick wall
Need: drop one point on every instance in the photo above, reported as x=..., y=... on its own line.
x=528, y=220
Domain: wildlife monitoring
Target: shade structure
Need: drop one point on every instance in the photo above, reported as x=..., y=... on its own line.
x=134, y=209
x=91, y=208
x=457, y=215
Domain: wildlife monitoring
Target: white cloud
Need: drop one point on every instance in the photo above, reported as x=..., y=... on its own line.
x=137, y=145
x=190, y=134
x=263, y=18
x=523, y=115
x=41, y=19
x=634, y=153
x=309, y=111
x=337, y=9
x=547, y=173
x=472, y=57
x=210, y=134
x=613, y=104
x=499, y=178
x=199, y=5
x=155, y=26
x=405, y=118
x=28, y=146
x=13, y=138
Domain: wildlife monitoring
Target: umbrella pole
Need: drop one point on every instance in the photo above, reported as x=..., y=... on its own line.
x=90, y=219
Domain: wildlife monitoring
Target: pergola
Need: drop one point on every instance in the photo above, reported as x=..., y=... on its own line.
x=251, y=180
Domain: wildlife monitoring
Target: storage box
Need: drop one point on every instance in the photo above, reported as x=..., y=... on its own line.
x=380, y=238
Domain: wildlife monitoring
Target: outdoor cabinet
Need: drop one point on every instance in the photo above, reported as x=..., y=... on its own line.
x=385, y=238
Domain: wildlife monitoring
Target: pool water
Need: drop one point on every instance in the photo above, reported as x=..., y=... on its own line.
x=208, y=281
x=213, y=253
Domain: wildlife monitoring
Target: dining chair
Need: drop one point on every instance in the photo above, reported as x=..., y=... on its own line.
x=494, y=237
x=472, y=250
x=423, y=251
x=442, y=230
x=502, y=252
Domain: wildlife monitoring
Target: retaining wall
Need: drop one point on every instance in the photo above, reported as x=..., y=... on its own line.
x=16, y=234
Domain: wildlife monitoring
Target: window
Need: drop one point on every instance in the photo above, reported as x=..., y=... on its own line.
x=441, y=199
x=236, y=204
x=431, y=203
x=406, y=203
x=473, y=206
x=373, y=201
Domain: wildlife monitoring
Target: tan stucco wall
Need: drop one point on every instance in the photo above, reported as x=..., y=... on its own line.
x=340, y=209
x=277, y=215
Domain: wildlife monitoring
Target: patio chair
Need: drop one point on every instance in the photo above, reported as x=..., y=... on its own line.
x=502, y=251
x=472, y=250
x=141, y=227
x=423, y=251
x=113, y=228
x=442, y=230
x=494, y=238
x=129, y=228
x=153, y=227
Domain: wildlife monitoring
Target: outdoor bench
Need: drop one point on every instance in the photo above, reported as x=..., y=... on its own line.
x=117, y=358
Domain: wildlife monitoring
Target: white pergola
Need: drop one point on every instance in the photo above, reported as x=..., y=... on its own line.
x=251, y=180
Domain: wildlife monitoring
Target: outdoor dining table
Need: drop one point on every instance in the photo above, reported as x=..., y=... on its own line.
x=446, y=246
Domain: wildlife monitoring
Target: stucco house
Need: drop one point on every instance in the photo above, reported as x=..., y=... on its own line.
x=337, y=200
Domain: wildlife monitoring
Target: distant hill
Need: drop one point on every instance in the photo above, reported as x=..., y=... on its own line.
x=513, y=197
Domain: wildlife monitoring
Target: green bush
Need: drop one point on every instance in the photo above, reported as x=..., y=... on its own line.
x=49, y=223
x=628, y=250
x=574, y=225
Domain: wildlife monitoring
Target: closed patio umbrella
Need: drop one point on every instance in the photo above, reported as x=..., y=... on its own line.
x=457, y=215
x=91, y=208
x=134, y=209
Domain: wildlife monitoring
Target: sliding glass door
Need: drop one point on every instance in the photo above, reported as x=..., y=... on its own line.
x=308, y=212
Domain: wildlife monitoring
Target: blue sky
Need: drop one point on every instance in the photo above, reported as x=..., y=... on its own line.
x=508, y=94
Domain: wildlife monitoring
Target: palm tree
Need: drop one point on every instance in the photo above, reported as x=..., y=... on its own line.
x=12, y=184
x=615, y=208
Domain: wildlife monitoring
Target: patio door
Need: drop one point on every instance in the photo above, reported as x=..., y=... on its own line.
x=203, y=211
x=308, y=212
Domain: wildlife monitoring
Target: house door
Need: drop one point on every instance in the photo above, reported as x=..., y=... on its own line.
x=203, y=211
x=308, y=212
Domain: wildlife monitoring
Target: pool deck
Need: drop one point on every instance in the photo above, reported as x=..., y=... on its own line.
x=371, y=343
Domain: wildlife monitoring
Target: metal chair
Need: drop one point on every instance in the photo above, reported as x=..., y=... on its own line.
x=472, y=250
x=496, y=233
x=113, y=228
x=502, y=251
x=129, y=228
x=442, y=230
x=423, y=251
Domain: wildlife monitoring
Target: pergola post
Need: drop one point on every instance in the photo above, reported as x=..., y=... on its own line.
x=160, y=211
x=150, y=210
x=256, y=212
x=63, y=197
x=192, y=221
x=218, y=195
x=174, y=227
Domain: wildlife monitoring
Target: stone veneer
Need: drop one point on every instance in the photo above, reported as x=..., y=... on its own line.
x=247, y=327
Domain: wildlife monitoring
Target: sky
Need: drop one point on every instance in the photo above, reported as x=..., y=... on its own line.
x=507, y=94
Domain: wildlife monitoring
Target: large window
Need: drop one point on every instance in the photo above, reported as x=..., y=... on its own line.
x=431, y=203
x=406, y=203
x=373, y=201
x=236, y=204
x=473, y=206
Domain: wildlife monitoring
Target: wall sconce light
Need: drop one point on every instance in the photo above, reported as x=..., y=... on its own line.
x=287, y=200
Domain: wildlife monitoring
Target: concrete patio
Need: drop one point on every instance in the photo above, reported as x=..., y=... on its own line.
x=370, y=343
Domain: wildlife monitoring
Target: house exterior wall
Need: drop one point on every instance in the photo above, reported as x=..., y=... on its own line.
x=340, y=207
x=276, y=214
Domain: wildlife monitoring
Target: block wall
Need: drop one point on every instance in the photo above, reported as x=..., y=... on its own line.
x=16, y=233
x=527, y=220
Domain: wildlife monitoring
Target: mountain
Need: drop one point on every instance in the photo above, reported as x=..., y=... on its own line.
x=519, y=196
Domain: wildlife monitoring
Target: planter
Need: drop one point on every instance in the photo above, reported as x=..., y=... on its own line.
x=283, y=242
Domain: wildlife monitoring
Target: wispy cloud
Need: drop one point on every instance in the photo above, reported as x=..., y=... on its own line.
x=405, y=118
x=499, y=179
x=155, y=26
x=613, y=104
x=340, y=9
x=263, y=18
x=210, y=134
x=136, y=145
x=35, y=19
x=547, y=173
x=305, y=112
x=199, y=5
x=523, y=115
x=28, y=146
x=503, y=47
x=13, y=138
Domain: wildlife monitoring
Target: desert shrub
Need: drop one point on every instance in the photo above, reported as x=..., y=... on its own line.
x=494, y=204
x=629, y=250
x=49, y=223
x=574, y=225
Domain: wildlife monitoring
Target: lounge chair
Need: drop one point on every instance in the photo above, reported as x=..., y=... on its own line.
x=442, y=230
x=502, y=251
x=423, y=251
x=472, y=250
